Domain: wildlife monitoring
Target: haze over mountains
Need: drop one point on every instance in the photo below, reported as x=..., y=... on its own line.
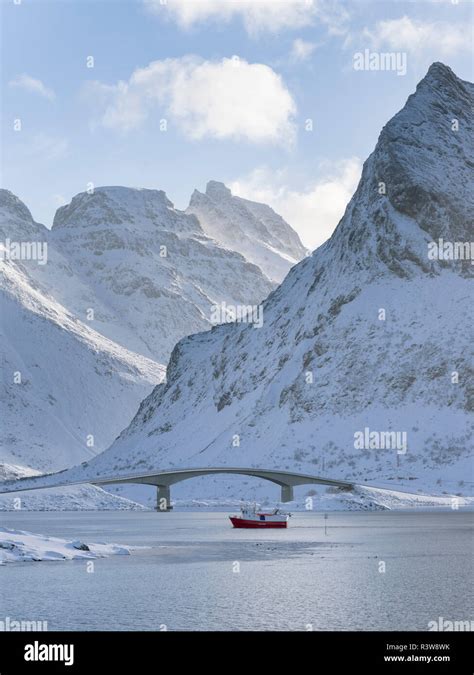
x=369, y=333
x=253, y=229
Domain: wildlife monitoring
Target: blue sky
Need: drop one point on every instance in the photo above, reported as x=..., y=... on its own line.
x=235, y=81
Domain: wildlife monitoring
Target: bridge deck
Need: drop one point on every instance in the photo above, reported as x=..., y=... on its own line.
x=287, y=480
x=171, y=477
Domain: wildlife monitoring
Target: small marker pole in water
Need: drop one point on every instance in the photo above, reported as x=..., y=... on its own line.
x=325, y=524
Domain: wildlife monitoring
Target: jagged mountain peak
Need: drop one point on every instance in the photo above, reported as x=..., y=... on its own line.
x=12, y=204
x=416, y=186
x=217, y=189
x=117, y=205
x=16, y=219
x=441, y=74
x=251, y=228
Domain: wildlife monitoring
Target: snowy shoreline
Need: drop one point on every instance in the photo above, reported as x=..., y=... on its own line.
x=21, y=546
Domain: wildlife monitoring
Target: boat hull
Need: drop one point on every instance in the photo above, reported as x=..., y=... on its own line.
x=257, y=524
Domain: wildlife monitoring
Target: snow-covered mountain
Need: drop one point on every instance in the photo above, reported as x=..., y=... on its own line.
x=253, y=229
x=369, y=334
x=147, y=270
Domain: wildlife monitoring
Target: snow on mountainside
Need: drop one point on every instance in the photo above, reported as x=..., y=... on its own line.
x=153, y=274
x=367, y=333
x=62, y=381
x=253, y=229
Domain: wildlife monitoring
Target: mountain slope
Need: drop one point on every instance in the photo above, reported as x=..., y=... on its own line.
x=62, y=381
x=253, y=229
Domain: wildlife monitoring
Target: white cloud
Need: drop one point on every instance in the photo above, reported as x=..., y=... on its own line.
x=406, y=34
x=301, y=50
x=257, y=15
x=227, y=99
x=313, y=211
x=33, y=85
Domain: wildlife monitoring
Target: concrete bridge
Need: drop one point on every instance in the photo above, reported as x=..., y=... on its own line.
x=163, y=480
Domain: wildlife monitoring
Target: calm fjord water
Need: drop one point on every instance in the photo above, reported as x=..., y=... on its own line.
x=200, y=574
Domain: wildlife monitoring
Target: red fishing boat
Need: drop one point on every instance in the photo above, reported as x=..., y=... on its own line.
x=251, y=518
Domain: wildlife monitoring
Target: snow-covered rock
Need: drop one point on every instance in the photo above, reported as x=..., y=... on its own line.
x=253, y=229
x=366, y=333
x=20, y=546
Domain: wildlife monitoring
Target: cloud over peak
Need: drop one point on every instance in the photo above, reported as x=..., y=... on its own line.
x=227, y=99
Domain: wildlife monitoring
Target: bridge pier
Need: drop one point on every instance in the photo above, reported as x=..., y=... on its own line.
x=163, y=498
x=287, y=493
